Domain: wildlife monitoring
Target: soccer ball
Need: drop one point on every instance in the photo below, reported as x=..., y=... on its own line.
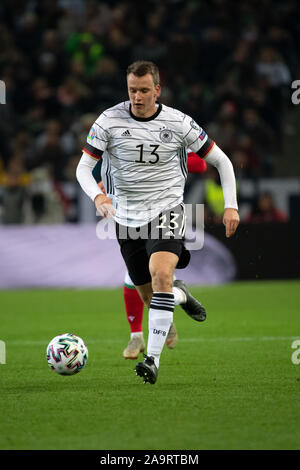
x=67, y=354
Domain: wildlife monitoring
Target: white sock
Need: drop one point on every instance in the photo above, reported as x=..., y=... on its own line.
x=179, y=296
x=160, y=319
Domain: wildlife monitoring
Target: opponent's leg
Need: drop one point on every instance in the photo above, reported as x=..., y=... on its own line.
x=134, y=307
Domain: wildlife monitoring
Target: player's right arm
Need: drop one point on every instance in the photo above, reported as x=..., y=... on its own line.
x=92, y=152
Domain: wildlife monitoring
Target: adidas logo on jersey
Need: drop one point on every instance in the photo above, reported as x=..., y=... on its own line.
x=126, y=133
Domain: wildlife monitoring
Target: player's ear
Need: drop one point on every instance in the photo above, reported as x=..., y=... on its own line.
x=158, y=90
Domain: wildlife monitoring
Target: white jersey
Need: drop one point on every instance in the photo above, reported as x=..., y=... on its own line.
x=106, y=176
x=145, y=158
x=107, y=179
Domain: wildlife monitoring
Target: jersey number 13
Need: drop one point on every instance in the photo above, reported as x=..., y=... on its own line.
x=154, y=153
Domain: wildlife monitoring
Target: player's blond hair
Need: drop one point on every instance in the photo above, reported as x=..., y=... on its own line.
x=142, y=67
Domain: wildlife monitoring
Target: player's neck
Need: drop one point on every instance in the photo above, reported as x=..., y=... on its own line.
x=149, y=116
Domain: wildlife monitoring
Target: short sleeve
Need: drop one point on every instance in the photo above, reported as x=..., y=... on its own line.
x=194, y=136
x=97, y=139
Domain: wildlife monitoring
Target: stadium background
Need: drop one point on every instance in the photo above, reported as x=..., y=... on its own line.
x=230, y=65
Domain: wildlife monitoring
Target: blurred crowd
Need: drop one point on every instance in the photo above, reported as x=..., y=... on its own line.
x=227, y=64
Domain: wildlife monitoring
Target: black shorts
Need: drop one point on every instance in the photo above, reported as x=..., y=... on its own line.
x=164, y=233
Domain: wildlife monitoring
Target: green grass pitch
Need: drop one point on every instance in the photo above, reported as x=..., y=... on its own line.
x=229, y=384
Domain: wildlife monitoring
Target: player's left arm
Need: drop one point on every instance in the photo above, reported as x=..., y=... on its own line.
x=216, y=157
x=196, y=139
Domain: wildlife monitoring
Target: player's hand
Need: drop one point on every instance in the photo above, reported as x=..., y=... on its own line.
x=104, y=206
x=231, y=220
x=101, y=186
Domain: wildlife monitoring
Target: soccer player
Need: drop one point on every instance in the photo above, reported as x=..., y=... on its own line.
x=143, y=139
x=134, y=306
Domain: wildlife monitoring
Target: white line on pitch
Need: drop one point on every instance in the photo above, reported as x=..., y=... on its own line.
x=184, y=340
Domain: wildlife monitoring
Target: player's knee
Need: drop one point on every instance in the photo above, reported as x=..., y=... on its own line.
x=162, y=278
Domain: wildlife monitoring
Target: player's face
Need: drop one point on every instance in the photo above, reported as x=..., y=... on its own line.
x=142, y=94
